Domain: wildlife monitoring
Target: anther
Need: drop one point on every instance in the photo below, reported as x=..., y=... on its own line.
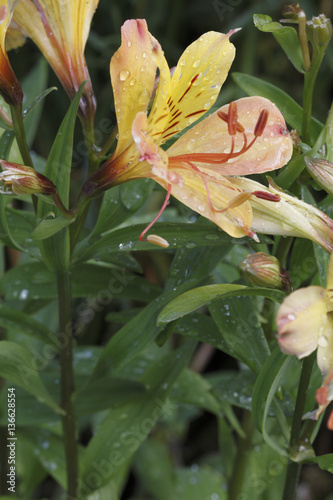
x=263, y=195
x=157, y=240
x=225, y=117
x=261, y=123
x=232, y=118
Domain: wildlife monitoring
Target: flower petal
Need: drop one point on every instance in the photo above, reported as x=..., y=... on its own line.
x=300, y=320
x=133, y=71
x=270, y=151
x=195, y=84
x=290, y=216
x=235, y=221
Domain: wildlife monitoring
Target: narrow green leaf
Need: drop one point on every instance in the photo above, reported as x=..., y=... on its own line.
x=286, y=36
x=55, y=249
x=197, y=483
x=136, y=335
x=17, y=365
x=325, y=462
x=291, y=111
x=264, y=391
x=24, y=323
x=48, y=227
x=239, y=326
x=178, y=235
x=198, y=297
x=125, y=428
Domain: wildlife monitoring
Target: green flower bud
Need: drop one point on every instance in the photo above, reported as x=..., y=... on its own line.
x=16, y=179
x=260, y=269
x=319, y=31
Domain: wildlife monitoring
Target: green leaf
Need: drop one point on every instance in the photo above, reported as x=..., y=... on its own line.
x=291, y=111
x=325, y=462
x=136, y=335
x=286, y=36
x=106, y=393
x=198, y=297
x=191, y=388
x=48, y=227
x=17, y=365
x=35, y=281
x=238, y=322
x=264, y=391
x=197, y=483
x=55, y=249
x=178, y=235
x=154, y=467
x=119, y=203
x=125, y=428
x=24, y=323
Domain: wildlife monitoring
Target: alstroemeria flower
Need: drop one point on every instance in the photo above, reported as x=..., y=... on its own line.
x=60, y=29
x=246, y=137
x=10, y=89
x=305, y=323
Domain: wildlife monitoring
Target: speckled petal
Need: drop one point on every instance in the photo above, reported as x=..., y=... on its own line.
x=270, y=151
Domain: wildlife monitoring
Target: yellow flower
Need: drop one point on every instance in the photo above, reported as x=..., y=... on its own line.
x=246, y=137
x=10, y=88
x=305, y=323
x=60, y=29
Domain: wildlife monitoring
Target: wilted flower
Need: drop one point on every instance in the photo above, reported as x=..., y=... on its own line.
x=60, y=29
x=305, y=323
x=248, y=136
x=260, y=269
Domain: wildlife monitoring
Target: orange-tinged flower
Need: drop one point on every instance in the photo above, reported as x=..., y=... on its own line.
x=60, y=29
x=10, y=88
x=305, y=323
x=246, y=137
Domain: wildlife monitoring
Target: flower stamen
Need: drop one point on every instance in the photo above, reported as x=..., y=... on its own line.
x=153, y=238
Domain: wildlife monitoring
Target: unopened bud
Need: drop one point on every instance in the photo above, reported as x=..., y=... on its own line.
x=321, y=171
x=260, y=269
x=16, y=179
x=319, y=31
x=293, y=12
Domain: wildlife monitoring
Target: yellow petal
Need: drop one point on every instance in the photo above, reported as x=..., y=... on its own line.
x=195, y=84
x=60, y=29
x=270, y=151
x=235, y=221
x=301, y=319
x=133, y=70
x=6, y=11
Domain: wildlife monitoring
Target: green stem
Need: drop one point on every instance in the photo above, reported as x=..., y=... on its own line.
x=67, y=382
x=294, y=468
x=329, y=134
x=244, y=446
x=309, y=82
x=18, y=127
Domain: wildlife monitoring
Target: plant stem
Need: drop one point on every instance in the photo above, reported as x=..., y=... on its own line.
x=18, y=128
x=67, y=382
x=294, y=468
x=244, y=446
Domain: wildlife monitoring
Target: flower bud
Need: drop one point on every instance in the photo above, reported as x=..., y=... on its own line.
x=292, y=12
x=319, y=31
x=260, y=269
x=321, y=171
x=16, y=179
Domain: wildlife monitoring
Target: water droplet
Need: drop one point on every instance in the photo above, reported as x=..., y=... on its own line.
x=24, y=294
x=212, y=237
x=182, y=62
x=129, y=43
x=145, y=54
x=225, y=53
x=196, y=63
x=201, y=208
x=271, y=134
x=190, y=244
x=124, y=74
x=133, y=81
